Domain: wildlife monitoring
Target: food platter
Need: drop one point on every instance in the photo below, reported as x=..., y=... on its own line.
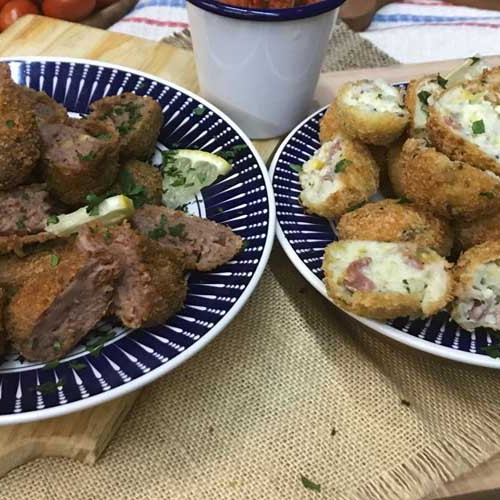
x=304, y=238
x=112, y=360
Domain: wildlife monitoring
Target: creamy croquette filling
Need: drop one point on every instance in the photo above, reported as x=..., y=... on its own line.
x=482, y=305
x=425, y=93
x=320, y=176
x=474, y=116
x=364, y=266
x=375, y=95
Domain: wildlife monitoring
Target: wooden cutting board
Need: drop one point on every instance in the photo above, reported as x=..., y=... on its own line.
x=84, y=435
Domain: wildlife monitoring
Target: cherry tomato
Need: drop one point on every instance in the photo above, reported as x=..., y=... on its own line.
x=14, y=9
x=70, y=10
x=100, y=4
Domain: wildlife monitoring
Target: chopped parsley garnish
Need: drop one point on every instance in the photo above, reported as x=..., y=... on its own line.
x=442, y=82
x=244, y=245
x=10, y=123
x=20, y=224
x=54, y=260
x=77, y=366
x=297, y=168
x=407, y=286
x=423, y=95
x=176, y=230
x=25, y=195
x=200, y=110
x=88, y=157
x=202, y=178
x=487, y=194
x=51, y=365
x=133, y=116
x=104, y=137
x=492, y=350
x=159, y=231
x=179, y=181
x=94, y=347
x=93, y=202
x=134, y=191
x=220, y=210
x=57, y=345
x=52, y=219
x=475, y=60
x=106, y=236
x=307, y=483
x=233, y=153
x=403, y=200
x=48, y=387
x=341, y=165
x=355, y=207
x=478, y=127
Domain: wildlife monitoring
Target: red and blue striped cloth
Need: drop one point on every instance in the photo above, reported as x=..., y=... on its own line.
x=409, y=30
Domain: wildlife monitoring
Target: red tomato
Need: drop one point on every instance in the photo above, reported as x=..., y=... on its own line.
x=70, y=10
x=100, y=4
x=14, y=9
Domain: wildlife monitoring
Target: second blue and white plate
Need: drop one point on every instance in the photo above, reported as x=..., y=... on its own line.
x=304, y=238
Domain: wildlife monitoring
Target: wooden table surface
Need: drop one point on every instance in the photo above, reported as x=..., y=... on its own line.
x=33, y=35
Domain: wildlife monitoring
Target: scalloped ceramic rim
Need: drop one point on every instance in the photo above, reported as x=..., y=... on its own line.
x=234, y=309
x=394, y=333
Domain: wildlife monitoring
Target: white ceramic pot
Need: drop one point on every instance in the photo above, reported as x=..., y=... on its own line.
x=261, y=66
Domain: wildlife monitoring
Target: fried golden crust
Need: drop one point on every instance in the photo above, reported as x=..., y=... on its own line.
x=2, y=332
x=376, y=128
x=20, y=141
x=394, y=171
x=376, y=305
x=449, y=189
x=411, y=102
x=469, y=234
x=388, y=220
x=449, y=142
x=328, y=126
x=360, y=181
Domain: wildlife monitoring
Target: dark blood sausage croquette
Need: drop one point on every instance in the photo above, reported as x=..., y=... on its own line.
x=137, y=119
x=450, y=189
x=19, y=136
x=79, y=157
x=391, y=220
x=45, y=108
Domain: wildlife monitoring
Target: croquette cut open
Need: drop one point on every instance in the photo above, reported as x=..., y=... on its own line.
x=341, y=175
x=383, y=280
x=477, y=275
x=371, y=111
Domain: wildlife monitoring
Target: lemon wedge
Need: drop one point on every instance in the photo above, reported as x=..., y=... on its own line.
x=110, y=211
x=187, y=171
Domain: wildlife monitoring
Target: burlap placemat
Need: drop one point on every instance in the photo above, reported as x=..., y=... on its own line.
x=293, y=401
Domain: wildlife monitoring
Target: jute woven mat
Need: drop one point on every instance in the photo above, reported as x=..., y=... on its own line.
x=292, y=396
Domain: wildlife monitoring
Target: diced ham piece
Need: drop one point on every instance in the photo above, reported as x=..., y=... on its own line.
x=477, y=311
x=355, y=280
x=415, y=263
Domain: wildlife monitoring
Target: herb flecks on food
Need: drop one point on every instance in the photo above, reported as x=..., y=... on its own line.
x=199, y=110
x=51, y=365
x=307, y=483
x=475, y=60
x=48, y=387
x=341, y=165
x=88, y=157
x=95, y=347
x=233, y=153
x=244, y=246
x=57, y=345
x=492, y=350
x=54, y=260
x=107, y=236
x=442, y=82
x=487, y=194
x=423, y=95
x=176, y=230
x=135, y=192
x=159, y=231
x=9, y=123
x=20, y=223
x=355, y=207
x=478, y=127
x=296, y=167
x=407, y=286
x=52, y=219
x=133, y=116
x=77, y=366
x=93, y=202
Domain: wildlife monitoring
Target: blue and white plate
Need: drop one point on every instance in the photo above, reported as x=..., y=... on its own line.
x=304, y=238
x=113, y=360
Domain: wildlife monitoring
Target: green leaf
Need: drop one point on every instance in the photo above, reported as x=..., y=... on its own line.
x=492, y=350
x=10, y=123
x=307, y=483
x=297, y=168
x=478, y=127
x=57, y=345
x=200, y=110
x=88, y=157
x=176, y=230
x=475, y=60
x=77, y=366
x=52, y=219
x=159, y=231
x=487, y=194
x=51, y=365
x=442, y=81
x=48, y=387
x=94, y=348
x=423, y=95
x=341, y=165
x=54, y=260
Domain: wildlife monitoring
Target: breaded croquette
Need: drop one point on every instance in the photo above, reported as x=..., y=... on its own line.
x=472, y=233
x=419, y=95
x=477, y=275
x=339, y=176
x=386, y=280
x=371, y=111
x=328, y=126
x=396, y=220
x=450, y=189
x=3, y=340
x=394, y=170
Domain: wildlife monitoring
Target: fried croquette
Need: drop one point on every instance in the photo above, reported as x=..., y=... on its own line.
x=341, y=175
x=393, y=221
x=141, y=179
x=79, y=157
x=464, y=124
x=394, y=170
x=419, y=95
x=450, y=189
x=371, y=111
x=137, y=119
x=477, y=292
x=54, y=309
x=20, y=142
x=3, y=341
x=328, y=126
x=383, y=280
x=472, y=233
x=45, y=108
